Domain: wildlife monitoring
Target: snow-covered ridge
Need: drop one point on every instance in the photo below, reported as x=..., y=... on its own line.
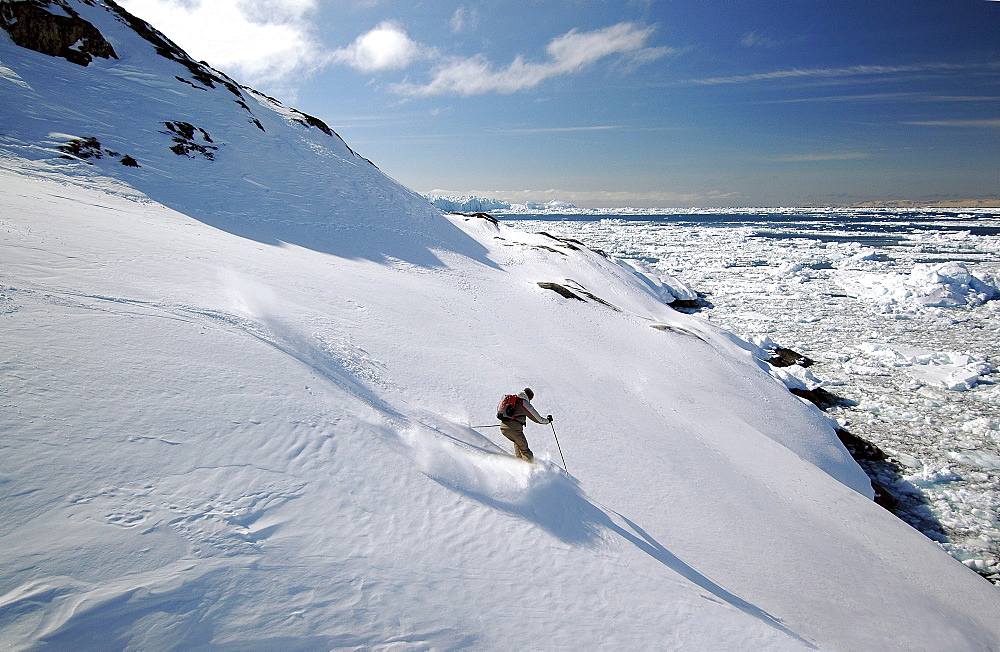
x=241, y=383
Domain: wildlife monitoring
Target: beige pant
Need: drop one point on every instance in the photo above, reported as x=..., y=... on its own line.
x=514, y=431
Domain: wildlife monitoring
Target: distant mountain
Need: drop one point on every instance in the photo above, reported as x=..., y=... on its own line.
x=248, y=402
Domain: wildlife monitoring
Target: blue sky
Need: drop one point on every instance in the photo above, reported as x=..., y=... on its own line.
x=633, y=102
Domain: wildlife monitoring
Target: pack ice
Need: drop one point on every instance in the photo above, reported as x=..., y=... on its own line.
x=240, y=370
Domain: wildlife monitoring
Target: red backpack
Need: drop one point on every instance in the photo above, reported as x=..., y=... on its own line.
x=509, y=403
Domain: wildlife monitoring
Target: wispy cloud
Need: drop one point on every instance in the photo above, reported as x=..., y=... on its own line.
x=989, y=124
x=812, y=158
x=755, y=40
x=568, y=54
x=387, y=47
x=272, y=43
x=560, y=130
x=850, y=71
x=464, y=19
x=885, y=97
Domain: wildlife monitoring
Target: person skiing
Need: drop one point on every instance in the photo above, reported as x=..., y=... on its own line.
x=512, y=426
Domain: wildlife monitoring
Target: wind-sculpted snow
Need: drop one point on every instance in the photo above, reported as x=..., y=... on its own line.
x=242, y=396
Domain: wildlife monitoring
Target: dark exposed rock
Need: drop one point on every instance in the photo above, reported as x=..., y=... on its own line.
x=83, y=148
x=859, y=448
x=572, y=244
x=690, y=306
x=253, y=121
x=892, y=491
x=670, y=328
x=484, y=216
x=782, y=357
x=184, y=140
x=590, y=295
x=186, y=130
x=560, y=289
x=571, y=294
x=32, y=26
x=312, y=121
x=188, y=82
x=569, y=243
x=883, y=497
x=819, y=397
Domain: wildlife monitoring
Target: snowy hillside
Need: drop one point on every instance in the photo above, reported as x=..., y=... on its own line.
x=240, y=370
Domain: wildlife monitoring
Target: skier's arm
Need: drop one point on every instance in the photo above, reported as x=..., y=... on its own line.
x=533, y=413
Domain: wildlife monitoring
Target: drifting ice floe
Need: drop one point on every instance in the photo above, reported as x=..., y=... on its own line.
x=944, y=285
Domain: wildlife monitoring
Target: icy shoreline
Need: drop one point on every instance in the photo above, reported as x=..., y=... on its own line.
x=901, y=327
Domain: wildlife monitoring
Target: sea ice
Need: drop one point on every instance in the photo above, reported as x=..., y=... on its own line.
x=902, y=363
x=943, y=285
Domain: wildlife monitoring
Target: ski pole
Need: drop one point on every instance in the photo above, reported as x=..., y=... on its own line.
x=558, y=445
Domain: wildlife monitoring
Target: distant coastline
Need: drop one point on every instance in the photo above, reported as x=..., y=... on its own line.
x=471, y=203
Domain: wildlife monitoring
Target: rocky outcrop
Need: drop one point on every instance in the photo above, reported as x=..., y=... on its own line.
x=575, y=293
x=571, y=244
x=876, y=465
x=31, y=25
x=87, y=148
x=819, y=397
x=782, y=357
x=483, y=216
x=185, y=140
x=561, y=290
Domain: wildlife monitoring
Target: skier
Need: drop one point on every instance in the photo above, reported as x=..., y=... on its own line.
x=512, y=426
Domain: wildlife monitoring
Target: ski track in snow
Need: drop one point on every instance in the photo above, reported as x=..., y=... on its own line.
x=458, y=458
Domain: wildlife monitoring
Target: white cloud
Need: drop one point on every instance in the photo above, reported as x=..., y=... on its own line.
x=387, y=47
x=755, y=40
x=852, y=71
x=568, y=53
x=259, y=41
x=811, y=158
x=990, y=124
x=561, y=130
x=464, y=19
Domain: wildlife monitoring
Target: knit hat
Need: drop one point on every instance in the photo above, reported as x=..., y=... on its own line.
x=530, y=394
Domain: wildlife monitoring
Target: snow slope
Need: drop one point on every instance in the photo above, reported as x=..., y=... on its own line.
x=237, y=395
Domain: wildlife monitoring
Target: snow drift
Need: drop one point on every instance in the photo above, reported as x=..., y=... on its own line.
x=241, y=367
